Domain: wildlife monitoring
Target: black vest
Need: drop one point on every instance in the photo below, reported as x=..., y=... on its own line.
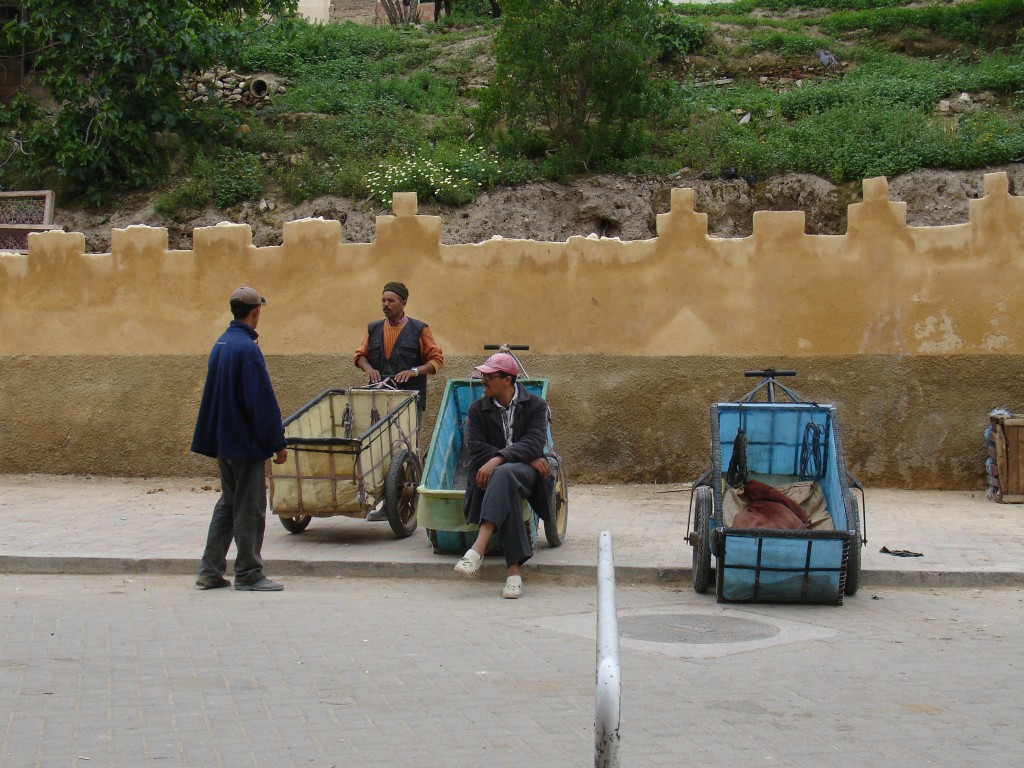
x=405, y=355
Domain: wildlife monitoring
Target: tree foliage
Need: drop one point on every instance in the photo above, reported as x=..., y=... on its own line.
x=581, y=69
x=112, y=72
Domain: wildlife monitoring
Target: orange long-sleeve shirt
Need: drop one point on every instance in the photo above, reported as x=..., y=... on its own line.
x=430, y=350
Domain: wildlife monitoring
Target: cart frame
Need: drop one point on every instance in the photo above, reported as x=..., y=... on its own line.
x=442, y=493
x=344, y=458
x=798, y=440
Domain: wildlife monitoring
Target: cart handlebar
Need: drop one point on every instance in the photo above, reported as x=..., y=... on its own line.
x=769, y=373
x=508, y=349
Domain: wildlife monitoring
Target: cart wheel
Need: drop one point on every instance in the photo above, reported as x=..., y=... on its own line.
x=295, y=524
x=400, y=494
x=702, y=546
x=555, y=530
x=853, y=560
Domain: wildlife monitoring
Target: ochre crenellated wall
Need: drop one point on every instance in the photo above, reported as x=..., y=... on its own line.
x=915, y=332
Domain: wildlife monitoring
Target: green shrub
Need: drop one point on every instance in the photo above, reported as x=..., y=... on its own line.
x=468, y=12
x=580, y=70
x=292, y=46
x=920, y=86
x=785, y=43
x=676, y=35
x=450, y=130
x=1002, y=71
x=421, y=91
x=308, y=178
x=854, y=141
x=742, y=7
x=236, y=176
x=972, y=22
x=189, y=195
x=360, y=135
x=524, y=142
x=980, y=139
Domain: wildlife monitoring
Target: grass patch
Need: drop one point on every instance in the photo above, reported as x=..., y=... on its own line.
x=370, y=111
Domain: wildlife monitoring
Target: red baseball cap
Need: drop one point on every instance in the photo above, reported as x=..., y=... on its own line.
x=500, y=362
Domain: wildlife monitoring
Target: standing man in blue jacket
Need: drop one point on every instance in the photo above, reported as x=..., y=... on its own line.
x=239, y=424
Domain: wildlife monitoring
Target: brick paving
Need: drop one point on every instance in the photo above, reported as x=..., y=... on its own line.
x=108, y=657
x=126, y=671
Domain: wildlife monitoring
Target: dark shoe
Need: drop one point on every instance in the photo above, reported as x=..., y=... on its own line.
x=377, y=515
x=212, y=583
x=263, y=585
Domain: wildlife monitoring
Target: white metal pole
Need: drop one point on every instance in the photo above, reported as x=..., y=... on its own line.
x=608, y=690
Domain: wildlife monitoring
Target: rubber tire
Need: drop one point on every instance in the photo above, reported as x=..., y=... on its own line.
x=554, y=531
x=853, y=560
x=702, y=549
x=295, y=524
x=400, y=492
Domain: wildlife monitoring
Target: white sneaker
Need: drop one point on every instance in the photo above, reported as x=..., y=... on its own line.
x=470, y=563
x=513, y=588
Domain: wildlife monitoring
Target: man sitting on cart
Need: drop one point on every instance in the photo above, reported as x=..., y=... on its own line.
x=506, y=431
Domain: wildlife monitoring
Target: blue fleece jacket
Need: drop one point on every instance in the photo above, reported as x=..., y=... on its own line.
x=239, y=418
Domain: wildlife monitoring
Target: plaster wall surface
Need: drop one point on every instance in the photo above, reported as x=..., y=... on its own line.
x=915, y=332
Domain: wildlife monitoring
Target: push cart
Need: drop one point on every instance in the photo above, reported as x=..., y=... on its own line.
x=795, y=446
x=446, y=471
x=350, y=451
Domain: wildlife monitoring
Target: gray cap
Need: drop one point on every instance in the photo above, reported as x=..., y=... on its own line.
x=247, y=296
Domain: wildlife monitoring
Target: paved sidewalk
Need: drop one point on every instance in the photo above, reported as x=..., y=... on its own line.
x=82, y=525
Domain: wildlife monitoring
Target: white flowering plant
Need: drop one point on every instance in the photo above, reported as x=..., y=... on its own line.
x=452, y=179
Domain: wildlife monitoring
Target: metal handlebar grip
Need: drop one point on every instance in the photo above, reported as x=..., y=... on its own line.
x=769, y=373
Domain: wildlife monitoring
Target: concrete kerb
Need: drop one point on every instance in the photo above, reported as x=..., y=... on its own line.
x=575, y=575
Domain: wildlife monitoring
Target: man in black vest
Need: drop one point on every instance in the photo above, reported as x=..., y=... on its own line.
x=402, y=348
x=399, y=346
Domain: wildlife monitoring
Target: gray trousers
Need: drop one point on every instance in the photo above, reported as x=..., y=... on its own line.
x=239, y=515
x=502, y=505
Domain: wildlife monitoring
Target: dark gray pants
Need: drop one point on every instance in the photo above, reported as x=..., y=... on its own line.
x=240, y=515
x=502, y=505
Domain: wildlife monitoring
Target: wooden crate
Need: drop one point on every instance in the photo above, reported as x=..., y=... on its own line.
x=1008, y=438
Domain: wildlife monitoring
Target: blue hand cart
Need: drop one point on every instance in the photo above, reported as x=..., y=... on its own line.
x=445, y=472
x=795, y=446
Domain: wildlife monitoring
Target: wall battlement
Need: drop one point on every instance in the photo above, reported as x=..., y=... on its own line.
x=915, y=333
x=881, y=288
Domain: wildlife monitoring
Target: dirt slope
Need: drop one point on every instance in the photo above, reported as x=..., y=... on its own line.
x=613, y=206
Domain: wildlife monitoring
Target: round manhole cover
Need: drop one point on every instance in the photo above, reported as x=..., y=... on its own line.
x=694, y=628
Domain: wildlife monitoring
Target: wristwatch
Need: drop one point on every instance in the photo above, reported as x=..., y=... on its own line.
x=415, y=371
